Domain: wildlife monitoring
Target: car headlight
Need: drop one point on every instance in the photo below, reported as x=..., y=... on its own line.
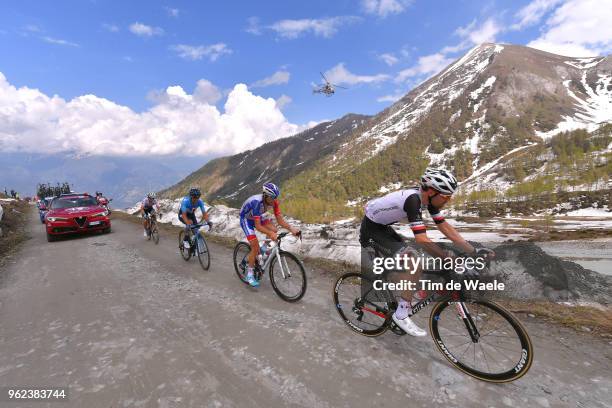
x=53, y=219
x=100, y=214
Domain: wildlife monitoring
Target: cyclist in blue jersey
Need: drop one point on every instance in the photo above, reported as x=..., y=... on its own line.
x=253, y=217
x=186, y=214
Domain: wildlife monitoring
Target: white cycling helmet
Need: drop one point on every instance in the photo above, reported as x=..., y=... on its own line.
x=151, y=195
x=440, y=180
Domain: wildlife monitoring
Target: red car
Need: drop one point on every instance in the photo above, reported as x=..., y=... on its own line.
x=75, y=213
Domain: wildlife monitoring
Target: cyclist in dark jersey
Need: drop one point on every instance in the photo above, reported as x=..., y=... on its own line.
x=437, y=187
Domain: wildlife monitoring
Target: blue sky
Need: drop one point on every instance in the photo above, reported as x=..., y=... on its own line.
x=130, y=52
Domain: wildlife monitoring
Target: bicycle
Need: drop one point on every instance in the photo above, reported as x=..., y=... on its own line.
x=152, y=231
x=289, y=282
x=456, y=315
x=197, y=246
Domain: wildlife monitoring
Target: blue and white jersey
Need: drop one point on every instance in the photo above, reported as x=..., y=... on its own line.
x=189, y=208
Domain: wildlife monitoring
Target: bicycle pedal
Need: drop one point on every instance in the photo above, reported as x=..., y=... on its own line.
x=396, y=329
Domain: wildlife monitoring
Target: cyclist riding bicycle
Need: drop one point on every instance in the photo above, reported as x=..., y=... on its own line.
x=437, y=187
x=253, y=217
x=147, y=206
x=186, y=215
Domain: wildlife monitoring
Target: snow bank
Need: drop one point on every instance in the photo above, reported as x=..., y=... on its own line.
x=338, y=241
x=590, y=212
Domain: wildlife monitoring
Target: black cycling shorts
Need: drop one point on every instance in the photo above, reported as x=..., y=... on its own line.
x=147, y=210
x=386, y=240
x=190, y=215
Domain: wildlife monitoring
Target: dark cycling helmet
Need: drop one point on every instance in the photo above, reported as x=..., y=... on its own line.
x=195, y=192
x=440, y=180
x=271, y=190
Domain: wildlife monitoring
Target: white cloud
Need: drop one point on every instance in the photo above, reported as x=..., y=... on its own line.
x=383, y=8
x=388, y=59
x=390, y=98
x=33, y=28
x=480, y=34
x=471, y=35
x=172, y=12
x=111, y=27
x=283, y=101
x=340, y=75
x=277, y=78
x=426, y=66
x=59, y=41
x=179, y=124
x=253, y=26
x=197, y=52
x=144, y=30
x=578, y=28
x=207, y=92
x=533, y=12
x=323, y=27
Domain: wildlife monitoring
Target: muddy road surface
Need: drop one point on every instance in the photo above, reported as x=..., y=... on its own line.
x=125, y=323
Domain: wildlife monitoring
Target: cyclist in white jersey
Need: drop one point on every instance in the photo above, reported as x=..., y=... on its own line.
x=437, y=187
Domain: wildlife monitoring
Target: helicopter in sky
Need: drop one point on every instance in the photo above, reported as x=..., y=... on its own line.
x=328, y=89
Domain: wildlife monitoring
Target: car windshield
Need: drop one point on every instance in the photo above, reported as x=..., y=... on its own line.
x=70, y=202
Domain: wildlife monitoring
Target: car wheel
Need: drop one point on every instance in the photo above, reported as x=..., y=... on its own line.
x=50, y=238
x=107, y=230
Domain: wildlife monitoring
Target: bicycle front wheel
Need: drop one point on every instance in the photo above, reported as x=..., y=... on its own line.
x=203, y=253
x=288, y=277
x=155, y=234
x=482, y=339
x=363, y=309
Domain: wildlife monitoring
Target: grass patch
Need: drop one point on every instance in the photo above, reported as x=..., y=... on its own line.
x=13, y=226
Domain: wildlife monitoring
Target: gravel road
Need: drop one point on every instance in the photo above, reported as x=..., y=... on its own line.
x=125, y=323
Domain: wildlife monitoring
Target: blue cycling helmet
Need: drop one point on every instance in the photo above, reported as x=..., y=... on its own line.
x=195, y=192
x=271, y=190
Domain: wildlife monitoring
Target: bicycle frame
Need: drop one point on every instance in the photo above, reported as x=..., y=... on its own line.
x=455, y=297
x=275, y=253
x=196, y=231
x=152, y=220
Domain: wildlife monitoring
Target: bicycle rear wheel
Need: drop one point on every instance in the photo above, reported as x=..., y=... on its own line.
x=241, y=252
x=202, y=251
x=500, y=352
x=185, y=252
x=288, y=277
x=366, y=313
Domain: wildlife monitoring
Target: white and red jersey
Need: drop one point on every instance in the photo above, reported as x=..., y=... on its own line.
x=401, y=204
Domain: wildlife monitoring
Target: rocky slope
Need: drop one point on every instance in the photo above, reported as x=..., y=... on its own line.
x=232, y=179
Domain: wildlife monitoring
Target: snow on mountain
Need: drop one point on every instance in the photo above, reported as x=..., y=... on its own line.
x=592, y=109
x=439, y=90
